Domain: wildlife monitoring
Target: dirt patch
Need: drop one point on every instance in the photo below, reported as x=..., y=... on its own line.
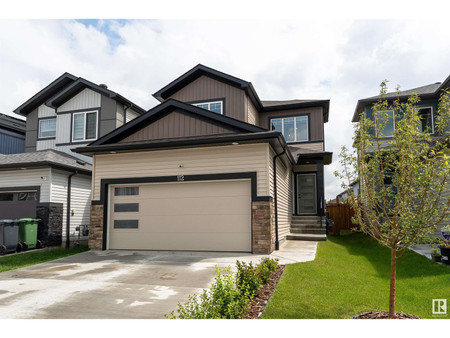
x=263, y=295
x=383, y=315
x=61, y=268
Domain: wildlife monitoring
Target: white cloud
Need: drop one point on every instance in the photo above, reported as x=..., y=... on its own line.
x=338, y=60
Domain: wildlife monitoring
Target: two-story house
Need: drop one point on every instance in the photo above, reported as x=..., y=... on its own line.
x=211, y=168
x=12, y=135
x=48, y=180
x=427, y=109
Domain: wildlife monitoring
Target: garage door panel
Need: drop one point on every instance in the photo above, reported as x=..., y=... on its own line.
x=183, y=241
x=213, y=215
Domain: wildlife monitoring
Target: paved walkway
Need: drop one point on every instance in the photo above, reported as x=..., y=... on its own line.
x=121, y=284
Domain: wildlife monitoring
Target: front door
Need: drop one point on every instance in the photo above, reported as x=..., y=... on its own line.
x=306, y=194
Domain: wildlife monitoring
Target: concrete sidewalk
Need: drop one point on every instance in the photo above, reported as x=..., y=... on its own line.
x=121, y=284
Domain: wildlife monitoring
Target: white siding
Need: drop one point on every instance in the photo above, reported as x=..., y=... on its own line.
x=208, y=160
x=26, y=178
x=44, y=111
x=119, y=115
x=63, y=124
x=131, y=115
x=80, y=199
x=252, y=113
x=86, y=99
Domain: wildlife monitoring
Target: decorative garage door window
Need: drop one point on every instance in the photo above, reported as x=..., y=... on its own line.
x=126, y=207
x=126, y=191
x=126, y=224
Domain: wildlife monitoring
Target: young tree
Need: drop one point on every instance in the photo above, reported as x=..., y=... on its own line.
x=402, y=178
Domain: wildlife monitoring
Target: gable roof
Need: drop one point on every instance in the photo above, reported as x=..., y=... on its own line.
x=44, y=94
x=80, y=84
x=167, y=107
x=425, y=92
x=50, y=157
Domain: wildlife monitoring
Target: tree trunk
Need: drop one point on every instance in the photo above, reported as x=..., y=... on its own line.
x=393, y=280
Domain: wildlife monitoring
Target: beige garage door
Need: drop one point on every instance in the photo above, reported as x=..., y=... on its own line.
x=206, y=216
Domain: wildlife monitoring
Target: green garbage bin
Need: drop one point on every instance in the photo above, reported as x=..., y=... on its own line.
x=28, y=232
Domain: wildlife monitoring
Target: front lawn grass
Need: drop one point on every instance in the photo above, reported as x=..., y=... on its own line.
x=351, y=275
x=35, y=257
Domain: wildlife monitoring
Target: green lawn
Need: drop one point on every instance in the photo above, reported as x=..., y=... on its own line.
x=11, y=262
x=351, y=275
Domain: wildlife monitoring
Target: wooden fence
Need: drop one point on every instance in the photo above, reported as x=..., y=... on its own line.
x=341, y=214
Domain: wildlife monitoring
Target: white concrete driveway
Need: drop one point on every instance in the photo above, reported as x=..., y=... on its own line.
x=120, y=284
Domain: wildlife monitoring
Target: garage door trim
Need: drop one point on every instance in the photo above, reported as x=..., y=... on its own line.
x=105, y=183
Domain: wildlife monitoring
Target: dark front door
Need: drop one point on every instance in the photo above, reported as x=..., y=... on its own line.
x=306, y=194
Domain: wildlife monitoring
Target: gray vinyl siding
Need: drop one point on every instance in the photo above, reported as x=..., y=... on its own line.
x=252, y=113
x=10, y=144
x=28, y=178
x=119, y=115
x=86, y=99
x=45, y=144
x=63, y=128
x=31, y=132
x=44, y=111
x=131, y=115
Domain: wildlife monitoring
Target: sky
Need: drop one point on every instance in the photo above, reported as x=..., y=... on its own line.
x=341, y=60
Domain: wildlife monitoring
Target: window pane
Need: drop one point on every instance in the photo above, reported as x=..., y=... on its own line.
x=27, y=196
x=216, y=107
x=203, y=105
x=47, y=128
x=126, y=191
x=78, y=127
x=91, y=125
x=6, y=197
x=126, y=224
x=289, y=132
x=126, y=207
x=387, y=120
x=277, y=125
x=301, y=123
x=426, y=123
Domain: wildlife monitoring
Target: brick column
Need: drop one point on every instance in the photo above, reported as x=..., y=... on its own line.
x=96, y=228
x=263, y=227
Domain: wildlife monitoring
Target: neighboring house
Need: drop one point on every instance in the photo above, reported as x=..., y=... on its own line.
x=427, y=108
x=49, y=181
x=12, y=135
x=211, y=168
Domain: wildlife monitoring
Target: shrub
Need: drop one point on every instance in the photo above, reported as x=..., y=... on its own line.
x=247, y=279
x=265, y=268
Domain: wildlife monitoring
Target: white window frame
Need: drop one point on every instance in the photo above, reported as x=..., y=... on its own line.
x=432, y=115
x=393, y=119
x=295, y=127
x=84, y=129
x=209, y=105
x=39, y=131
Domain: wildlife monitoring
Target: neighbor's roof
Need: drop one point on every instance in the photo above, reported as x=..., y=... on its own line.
x=44, y=158
x=262, y=106
x=12, y=123
x=428, y=91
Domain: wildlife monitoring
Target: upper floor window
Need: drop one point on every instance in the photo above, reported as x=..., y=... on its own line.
x=84, y=126
x=214, y=106
x=47, y=128
x=294, y=129
x=386, y=123
x=426, y=119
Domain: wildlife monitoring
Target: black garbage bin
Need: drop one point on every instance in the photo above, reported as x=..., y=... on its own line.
x=9, y=235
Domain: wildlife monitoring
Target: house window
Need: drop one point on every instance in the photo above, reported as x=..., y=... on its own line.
x=126, y=224
x=126, y=191
x=84, y=126
x=215, y=106
x=294, y=129
x=426, y=119
x=386, y=119
x=47, y=128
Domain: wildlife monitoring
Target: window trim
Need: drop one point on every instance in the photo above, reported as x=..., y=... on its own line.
x=209, y=102
x=39, y=137
x=282, y=118
x=393, y=119
x=84, y=131
x=432, y=115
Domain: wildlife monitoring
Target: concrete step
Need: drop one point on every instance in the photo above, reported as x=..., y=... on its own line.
x=312, y=226
x=308, y=231
x=307, y=237
x=315, y=218
x=304, y=223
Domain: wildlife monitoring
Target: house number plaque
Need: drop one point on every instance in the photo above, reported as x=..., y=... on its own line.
x=180, y=178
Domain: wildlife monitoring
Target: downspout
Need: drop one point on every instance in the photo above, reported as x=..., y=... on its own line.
x=275, y=198
x=69, y=192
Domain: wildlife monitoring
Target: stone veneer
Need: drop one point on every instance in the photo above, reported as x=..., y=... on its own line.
x=263, y=227
x=96, y=228
x=262, y=222
x=50, y=224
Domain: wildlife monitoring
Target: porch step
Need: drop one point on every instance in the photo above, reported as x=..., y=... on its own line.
x=312, y=218
x=307, y=237
x=301, y=230
x=308, y=224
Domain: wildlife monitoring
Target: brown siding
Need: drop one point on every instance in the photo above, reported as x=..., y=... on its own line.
x=176, y=125
x=205, y=88
x=315, y=120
